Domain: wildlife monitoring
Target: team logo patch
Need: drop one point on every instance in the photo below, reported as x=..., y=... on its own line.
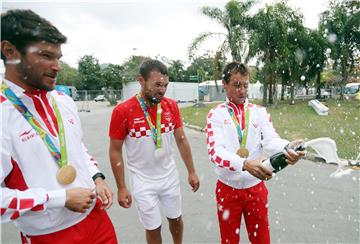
x=167, y=116
x=227, y=122
x=139, y=120
x=26, y=135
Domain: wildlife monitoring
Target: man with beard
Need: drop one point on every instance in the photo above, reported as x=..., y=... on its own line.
x=238, y=135
x=147, y=124
x=51, y=187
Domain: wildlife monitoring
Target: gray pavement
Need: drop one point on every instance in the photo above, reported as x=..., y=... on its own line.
x=305, y=204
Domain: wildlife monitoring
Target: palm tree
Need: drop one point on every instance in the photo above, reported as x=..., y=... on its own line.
x=234, y=19
x=176, y=71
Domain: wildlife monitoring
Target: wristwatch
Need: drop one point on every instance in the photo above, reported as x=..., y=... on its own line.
x=97, y=175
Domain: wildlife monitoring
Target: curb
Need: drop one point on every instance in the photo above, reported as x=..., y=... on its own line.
x=194, y=127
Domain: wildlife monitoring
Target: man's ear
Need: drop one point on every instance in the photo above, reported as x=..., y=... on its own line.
x=141, y=80
x=9, y=51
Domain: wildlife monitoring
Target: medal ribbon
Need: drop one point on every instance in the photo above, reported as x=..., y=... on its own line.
x=155, y=132
x=62, y=141
x=242, y=133
x=60, y=157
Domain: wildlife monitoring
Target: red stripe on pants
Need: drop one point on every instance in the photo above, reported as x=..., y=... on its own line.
x=96, y=228
x=232, y=203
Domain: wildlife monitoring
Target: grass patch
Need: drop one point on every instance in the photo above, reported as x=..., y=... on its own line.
x=301, y=121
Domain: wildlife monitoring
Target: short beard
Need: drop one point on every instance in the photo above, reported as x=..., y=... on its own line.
x=28, y=78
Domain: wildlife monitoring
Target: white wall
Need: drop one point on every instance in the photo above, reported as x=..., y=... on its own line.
x=254, y=92
x=130, y=89
x=179, y=91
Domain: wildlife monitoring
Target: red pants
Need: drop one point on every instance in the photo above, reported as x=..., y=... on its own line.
x=95, y=228
x=233, y=203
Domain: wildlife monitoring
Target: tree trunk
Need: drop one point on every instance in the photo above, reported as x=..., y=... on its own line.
x=216, y=70
x=265, y=89
x=318, y=84
x=292, y=94
x=283, y=87
x=344, y=74
x=275, y=96
x=270, y=93
x=272, y=88
x=306, y=89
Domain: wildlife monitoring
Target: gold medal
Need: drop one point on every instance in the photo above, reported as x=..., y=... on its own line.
x=243, y=152
x=66, y=174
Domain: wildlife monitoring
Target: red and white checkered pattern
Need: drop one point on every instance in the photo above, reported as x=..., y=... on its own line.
x=223, y=142
x=21, y=203
x=210, y=141
x=145, y=132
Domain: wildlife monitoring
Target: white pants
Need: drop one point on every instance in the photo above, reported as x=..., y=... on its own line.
x=150, y=195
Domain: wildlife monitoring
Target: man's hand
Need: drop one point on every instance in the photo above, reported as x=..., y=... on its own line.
x=124, y=197
x=291, y=155
x=255, y=168
x=104, y=193
x=194, y=181
x=79, y=199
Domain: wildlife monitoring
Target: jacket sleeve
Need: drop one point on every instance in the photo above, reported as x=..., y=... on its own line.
x=271, y=141
x=15, y=203
x=215, y=140
x=91, y=162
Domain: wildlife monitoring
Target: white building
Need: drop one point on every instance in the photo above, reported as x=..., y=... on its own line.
x=179, y=91
x=208, y=92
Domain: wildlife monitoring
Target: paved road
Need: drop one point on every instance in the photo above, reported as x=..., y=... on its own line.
x=305, y=205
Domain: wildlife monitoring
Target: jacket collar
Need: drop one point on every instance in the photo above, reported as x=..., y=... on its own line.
x=237, y=108
x=20, y=92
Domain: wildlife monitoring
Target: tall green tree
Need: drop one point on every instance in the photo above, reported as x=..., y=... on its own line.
x=177, y=71
x=112, y=76
x=292, y=63
x=296, y=56
x=203, y=67
x=131, y=67
x=234, y=18
x=269, y=40
x=90, y=73
x=316, y=57
x=67, y=76
x=341, y=24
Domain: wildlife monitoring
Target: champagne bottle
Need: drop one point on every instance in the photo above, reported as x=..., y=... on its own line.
x=277, y=161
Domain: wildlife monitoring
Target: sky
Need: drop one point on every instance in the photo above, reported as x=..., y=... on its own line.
x=112, y=31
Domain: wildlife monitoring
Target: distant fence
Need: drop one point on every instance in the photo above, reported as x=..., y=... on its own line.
x=89, y=95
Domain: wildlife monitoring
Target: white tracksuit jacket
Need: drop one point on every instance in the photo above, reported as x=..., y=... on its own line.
x=30, y=195
x=222, y=143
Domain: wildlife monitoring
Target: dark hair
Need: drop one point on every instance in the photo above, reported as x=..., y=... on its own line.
x=233, y=68
x=24, y=27
x=152, y=65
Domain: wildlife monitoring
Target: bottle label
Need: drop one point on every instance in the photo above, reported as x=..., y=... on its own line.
x=267, y=165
